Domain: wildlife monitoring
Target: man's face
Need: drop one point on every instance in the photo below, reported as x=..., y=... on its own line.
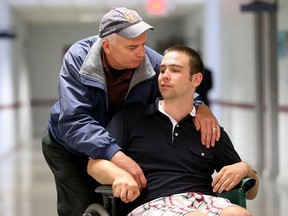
x=124, y=53
x=174, y=79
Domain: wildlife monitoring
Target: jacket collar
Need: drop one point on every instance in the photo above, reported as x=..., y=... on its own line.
x=92, y=68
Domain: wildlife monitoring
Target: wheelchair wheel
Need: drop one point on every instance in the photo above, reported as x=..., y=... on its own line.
x=96, y=209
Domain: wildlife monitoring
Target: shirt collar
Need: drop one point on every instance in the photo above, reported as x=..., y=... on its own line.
x=192, y=113
x=154, y=107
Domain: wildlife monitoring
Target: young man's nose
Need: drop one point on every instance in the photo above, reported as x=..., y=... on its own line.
x=166, y=74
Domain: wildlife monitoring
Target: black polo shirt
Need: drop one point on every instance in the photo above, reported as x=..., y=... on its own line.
x=171, y=166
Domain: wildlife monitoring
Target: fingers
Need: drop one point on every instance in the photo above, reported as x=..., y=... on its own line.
x=224, y=185
x=126, y=194
x=218, y=133
x=205, y=129
x=139, y=177
x=132, y=194
x=196, y=123
x=215, y=135
x=143, y=181
x=228, y=177
x=129, y=195
x=207, y=123
x=210, y=134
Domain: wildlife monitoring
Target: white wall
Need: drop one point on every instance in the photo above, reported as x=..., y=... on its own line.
x=15, y=119
x=238, y=77
x=283, y=93
x=22, y=83
x=45, y=49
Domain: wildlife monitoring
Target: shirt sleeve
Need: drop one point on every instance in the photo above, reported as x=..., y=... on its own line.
x=225, y=152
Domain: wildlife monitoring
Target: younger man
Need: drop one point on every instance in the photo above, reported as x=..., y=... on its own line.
x=163, y=140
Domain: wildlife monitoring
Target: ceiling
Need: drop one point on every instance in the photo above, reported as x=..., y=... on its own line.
x=85, y=11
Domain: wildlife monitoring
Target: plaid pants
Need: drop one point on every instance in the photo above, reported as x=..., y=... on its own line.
x=181, y=204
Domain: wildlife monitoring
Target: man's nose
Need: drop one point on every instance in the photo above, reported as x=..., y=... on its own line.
x=141, y=52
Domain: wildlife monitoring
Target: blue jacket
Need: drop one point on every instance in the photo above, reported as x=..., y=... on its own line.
x=79, y=118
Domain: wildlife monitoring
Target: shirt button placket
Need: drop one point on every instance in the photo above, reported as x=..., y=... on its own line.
x=176, y=134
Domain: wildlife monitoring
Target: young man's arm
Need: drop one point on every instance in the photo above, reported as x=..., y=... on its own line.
x=123, y=184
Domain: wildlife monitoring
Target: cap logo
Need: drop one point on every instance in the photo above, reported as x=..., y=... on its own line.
x=131, y=16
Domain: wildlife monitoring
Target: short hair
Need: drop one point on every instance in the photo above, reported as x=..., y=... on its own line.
x=110, y=38
x=195, y=61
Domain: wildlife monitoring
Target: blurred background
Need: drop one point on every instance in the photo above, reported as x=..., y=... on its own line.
x=244, y=43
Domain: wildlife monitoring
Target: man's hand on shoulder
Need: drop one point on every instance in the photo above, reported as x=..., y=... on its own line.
x=206, y=122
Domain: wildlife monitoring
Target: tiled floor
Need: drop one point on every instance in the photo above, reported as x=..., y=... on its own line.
x=27, y=188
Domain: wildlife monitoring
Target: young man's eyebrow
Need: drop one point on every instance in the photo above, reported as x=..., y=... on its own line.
x=171, y=65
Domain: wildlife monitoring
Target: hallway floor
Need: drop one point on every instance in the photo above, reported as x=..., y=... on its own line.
x=27, y=188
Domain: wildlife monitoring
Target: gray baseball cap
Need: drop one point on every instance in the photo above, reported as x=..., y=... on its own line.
x=124, y=22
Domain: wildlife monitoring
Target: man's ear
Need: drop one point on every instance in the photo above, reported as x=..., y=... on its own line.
x=106, y=46
x=197, y=79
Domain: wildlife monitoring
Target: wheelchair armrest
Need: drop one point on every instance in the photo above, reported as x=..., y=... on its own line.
x=105, y=190
x=238, y=194
x=109, y=200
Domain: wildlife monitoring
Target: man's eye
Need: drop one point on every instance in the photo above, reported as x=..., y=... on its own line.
x=162, y=71
x=132, y=48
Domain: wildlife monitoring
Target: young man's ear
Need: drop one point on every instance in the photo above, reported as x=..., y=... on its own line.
x=197, y=79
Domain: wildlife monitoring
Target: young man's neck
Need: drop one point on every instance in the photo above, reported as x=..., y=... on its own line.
x=177, y=109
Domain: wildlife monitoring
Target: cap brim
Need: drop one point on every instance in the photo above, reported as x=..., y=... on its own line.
x=135, y=30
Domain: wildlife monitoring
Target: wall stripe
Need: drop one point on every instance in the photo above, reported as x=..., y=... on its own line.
x=50, y=102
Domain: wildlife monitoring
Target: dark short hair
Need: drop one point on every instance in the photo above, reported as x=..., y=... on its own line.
x=195, y=61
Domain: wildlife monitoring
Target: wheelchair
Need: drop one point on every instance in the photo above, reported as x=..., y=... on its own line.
x=237, y=196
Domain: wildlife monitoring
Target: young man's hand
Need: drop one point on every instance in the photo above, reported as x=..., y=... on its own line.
x=125, y=187
x=229, y=176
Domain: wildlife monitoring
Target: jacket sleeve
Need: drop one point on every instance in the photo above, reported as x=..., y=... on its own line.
x=76, y=125
x=197, y=100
